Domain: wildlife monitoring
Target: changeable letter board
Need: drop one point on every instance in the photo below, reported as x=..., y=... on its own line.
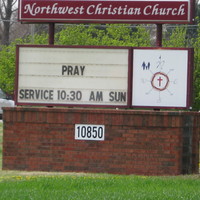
x=72, y=76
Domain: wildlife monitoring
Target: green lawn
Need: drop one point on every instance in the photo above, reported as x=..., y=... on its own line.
x=100, y=187
x=1, y=137
x=15, y=185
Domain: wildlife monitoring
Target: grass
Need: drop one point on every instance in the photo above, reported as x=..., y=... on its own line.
x=58, y=187
x=15, y=185
x=1, y=138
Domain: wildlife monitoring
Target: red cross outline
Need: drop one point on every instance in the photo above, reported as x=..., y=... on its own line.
x=160, y=81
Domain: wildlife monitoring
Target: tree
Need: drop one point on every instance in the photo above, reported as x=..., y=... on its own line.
x=7, y=68
x=109, y=35
x=7, y=8
x=197, y=6
x=177, y=37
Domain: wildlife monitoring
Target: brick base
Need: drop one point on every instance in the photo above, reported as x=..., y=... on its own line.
x=136, y=142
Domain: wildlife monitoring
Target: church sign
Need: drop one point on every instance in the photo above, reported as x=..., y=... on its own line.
x=119, y=77
x=106, y=11
x=59, y=75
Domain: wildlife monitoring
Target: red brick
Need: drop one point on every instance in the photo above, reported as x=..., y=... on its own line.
x=136, y=142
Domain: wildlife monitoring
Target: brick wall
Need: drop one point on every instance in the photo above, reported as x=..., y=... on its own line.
x=136, y=142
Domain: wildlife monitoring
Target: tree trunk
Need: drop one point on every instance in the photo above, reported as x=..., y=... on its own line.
x=6, y=13
x=6, y=33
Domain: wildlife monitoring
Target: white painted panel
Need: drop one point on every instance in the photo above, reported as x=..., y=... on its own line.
x=160, y=78
x=98, y=75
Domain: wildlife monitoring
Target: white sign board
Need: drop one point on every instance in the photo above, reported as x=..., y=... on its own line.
x=160, y=78
x=72, y=76
x=89, y=132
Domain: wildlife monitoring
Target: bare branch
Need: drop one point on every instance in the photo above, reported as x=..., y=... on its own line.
x=6, y=15
x=4, y=4
x=15, y=10
x=14, y=2
x=1, y=14
x=1, y=10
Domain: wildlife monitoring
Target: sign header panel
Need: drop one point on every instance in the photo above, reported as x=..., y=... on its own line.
x=72, y=76
x=106, y=11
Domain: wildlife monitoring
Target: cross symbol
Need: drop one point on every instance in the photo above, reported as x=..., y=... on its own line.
x=160, y=80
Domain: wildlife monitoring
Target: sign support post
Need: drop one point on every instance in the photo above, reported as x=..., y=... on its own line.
x=158, y=42
x=51, y=33
x=159, y=35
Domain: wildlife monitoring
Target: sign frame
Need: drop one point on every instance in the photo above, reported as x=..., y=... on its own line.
x=129, y=72
x=121, y=10
x=189, y=77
